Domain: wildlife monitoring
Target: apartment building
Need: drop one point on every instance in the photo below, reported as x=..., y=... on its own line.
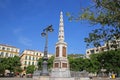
x=31, y=57
x=105, y=47
x=8, y=51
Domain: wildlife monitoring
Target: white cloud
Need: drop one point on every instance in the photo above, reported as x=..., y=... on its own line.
x=25, y=41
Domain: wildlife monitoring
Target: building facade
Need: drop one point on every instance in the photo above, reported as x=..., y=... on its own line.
x=8, y=51
x=112, y=45
x=30, y=57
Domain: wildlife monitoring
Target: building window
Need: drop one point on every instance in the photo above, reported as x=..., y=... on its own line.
x=32, y=63
x=6, y=54
x=29, y=57
x=102, y=49
x=3, y=48
x=10, y=55
x=2, y=54
x=24, y=68
x=37, y=58
x=29, y=63
x=87, y=52
x=25, y=62
x=8, y=49
x=96, y=50
x=33, y=57
x=37, y=54
x=26, y=57
x=92, y=51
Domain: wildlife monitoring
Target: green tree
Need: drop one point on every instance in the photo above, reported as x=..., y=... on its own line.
x=30, y=69
x=105, y=13
x=40, y=64
x=50, y=63
x=109, y=60
x=11, y=63
x=2, y=66
x=96, y=62
x=17, y=64
x=76, y=64
x=80, y=64
x=88, y=65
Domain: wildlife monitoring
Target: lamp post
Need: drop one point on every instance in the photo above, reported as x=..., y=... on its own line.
x=45, y=57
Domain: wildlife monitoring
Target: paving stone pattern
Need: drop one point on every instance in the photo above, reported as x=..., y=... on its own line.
x=16, y=79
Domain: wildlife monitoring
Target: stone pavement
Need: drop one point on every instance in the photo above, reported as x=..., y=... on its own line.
x=97, y=78
x=16, y=78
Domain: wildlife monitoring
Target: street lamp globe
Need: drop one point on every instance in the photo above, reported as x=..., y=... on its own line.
x=43, y=34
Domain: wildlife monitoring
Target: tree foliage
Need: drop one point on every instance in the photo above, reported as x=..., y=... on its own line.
x=40, y=64
x=80, y=64
x=105, y=13
x=2, y=67
x=50, y=63
x=109, y=60
x=30, y=69
x=11, y=63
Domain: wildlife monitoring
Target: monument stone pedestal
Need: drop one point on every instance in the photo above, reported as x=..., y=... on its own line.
x=61, y=73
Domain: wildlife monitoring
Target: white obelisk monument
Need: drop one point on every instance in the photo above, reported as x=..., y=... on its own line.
x=61, y=64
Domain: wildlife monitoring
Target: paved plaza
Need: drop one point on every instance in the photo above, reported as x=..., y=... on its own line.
x=16, y=79
x=53, y=79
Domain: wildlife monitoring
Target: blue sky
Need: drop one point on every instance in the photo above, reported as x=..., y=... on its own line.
x=22, y=21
